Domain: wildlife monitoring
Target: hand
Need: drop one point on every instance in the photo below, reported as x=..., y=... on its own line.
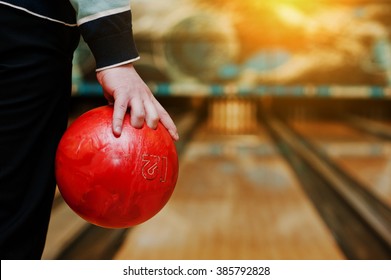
x=123, y=87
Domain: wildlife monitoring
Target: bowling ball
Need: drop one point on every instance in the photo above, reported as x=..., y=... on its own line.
x=115, y=182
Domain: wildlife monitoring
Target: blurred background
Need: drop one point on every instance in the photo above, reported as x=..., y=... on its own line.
x=283, y=108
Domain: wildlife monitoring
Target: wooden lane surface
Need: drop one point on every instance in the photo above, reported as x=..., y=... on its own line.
x=235, y=199
x=366, y=158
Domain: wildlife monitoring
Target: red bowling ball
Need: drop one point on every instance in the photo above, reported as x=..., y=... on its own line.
x=115, y=182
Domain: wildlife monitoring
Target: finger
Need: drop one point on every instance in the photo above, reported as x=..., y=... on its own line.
x=151, y=114
x=120, y=107
x=137, y=113
x=166, y=120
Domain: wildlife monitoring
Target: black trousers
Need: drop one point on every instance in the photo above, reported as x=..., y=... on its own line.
x=35, y=87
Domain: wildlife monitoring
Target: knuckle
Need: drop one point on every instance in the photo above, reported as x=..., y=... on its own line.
x=123, y=106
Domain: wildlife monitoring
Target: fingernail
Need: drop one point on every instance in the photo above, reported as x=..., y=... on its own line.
x=152, y=125
x=175, y=136
x=117, y=130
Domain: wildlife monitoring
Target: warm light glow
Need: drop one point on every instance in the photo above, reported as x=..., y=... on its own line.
x=294, y=3
x=291, y=15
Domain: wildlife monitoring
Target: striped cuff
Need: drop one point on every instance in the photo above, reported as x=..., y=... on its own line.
x=118, y=64
x=110, y=39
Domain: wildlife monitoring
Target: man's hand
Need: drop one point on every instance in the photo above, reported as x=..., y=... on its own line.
x=123, y=87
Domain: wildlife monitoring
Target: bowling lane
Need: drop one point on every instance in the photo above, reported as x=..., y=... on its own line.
x=236, y=198
x=367, y=158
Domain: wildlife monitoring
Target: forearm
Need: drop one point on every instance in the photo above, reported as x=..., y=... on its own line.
x=106, y=26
